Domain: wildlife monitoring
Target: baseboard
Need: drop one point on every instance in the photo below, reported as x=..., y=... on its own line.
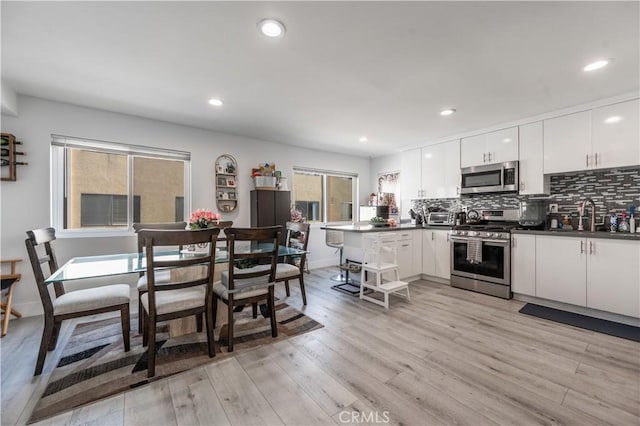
x=29, y=309
x=435, y=279
x=322, y=263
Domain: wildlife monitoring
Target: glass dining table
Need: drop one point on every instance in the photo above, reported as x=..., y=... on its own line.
x=84, y=267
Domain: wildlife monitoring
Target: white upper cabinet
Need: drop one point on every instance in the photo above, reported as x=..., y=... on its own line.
x=566, y=142
x=441, y=170
x=601, y=138
x=411, y=182
x=489, y=148
x=616, y=135
x=532, y=179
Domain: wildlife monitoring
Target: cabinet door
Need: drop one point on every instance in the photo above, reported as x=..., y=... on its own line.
x=433, y=172
x=502, y=145
x=411, y=182
x=561, y=269
x=428, y=252
x=405, y=258
x=567, y=143
x=443, y=254
x=532, y=180
x=416, y=264
x=452, y=169
x=613, y=276
x=616, y=138
x=473, y=151
x=523, y=264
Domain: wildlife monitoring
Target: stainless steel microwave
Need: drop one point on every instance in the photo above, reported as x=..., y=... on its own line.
x=499, y=177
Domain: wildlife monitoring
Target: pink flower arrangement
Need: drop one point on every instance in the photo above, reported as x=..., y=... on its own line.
x=296, y=215
x=201, y=219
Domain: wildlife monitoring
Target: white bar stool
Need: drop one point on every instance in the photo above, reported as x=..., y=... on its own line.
x=380, y=259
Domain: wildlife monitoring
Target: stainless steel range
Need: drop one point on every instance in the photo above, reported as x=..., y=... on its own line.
x=481, y=253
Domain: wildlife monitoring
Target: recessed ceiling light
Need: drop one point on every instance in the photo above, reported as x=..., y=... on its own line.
x=613, y=119
x=215, y=102
x=428, y=156
x=447, y=111
x=363, y=139
x=271, y=28
x=506, y=140
x=597, y=65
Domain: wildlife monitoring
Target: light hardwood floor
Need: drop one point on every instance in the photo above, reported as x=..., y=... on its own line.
x=448, y=356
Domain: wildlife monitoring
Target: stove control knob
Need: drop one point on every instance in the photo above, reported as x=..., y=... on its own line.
x=473, y=233
x=494, y=234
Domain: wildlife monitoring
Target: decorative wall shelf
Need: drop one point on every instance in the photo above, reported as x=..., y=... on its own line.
x=226, y=183
x=9, y=155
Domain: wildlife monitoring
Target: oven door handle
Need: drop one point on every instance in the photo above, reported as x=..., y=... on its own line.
x=464, y=240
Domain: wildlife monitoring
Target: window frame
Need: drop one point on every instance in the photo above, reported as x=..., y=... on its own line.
x=355, y=192
x=58, y=189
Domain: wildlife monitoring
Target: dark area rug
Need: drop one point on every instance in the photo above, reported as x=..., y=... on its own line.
x=94, y=364
x=612, y=328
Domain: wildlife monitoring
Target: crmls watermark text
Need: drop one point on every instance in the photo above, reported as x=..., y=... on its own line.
x=363, y=417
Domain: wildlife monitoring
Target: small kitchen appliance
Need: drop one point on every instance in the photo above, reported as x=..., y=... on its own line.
x=481, y=253
x=533, y=212
x=441, y=218
x=490, y=178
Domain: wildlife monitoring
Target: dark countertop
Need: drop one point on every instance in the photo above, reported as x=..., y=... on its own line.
x=580, y=234
x=365, y=227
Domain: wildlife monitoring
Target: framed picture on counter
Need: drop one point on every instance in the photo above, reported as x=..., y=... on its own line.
x=231, y=182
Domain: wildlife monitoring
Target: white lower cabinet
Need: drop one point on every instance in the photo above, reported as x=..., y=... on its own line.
x=561, y=269
x=613, y=276
x=523, y=264
x=409, y=253
x=436, y=253
x=597, y=273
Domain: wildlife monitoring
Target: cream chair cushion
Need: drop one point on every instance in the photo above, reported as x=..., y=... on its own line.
x=176, y=300
x=244, y=284
x=91, y=298
x=222, y=291
x=285, y=270
x=161, y=278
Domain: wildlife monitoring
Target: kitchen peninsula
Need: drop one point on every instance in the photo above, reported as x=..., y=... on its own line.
x=406, y=238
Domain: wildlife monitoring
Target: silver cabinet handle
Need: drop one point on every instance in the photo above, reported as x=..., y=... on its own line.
x=596, y=158
x=513, y=242
x=405, y=245
x=587, y=159
x=484, y=157
x=457, y=190
x=592, y=248
x=581, y=246
x=489, y=156
x=447, y=237
x=432, y=236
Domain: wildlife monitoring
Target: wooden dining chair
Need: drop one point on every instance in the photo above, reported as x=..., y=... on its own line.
x=73, y=304
x=8, y=281
x=161, y=276
x=192, y=295
x=241, y=285
x=293, y=266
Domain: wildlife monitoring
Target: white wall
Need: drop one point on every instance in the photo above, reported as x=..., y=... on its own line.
x=25, y=204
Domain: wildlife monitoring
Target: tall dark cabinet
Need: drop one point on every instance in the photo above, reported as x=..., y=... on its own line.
x=269, y=208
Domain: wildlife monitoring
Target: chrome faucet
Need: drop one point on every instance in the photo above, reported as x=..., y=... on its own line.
x=593, y=214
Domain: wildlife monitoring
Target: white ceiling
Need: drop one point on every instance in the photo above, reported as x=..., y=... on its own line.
x=343, y=69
